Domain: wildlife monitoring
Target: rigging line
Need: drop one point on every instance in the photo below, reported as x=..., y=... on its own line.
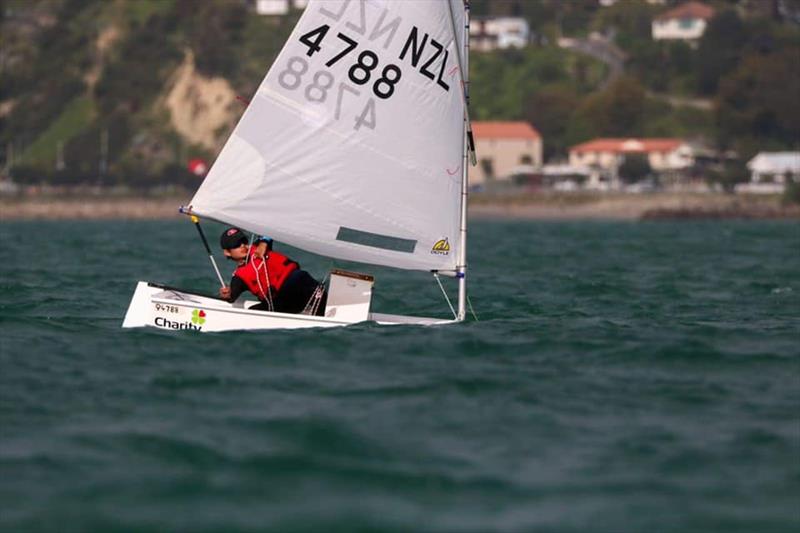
x=472, y=310
x=473, y=158
x=267, y=295
x=196, y=222
x=328, y=272
x=447, y=298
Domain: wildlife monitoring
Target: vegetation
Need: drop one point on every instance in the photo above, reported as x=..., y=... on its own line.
x=792, y=193
x=80, y=73
x=635, y=168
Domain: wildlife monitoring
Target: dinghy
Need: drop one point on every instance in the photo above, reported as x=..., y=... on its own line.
x=355, y=147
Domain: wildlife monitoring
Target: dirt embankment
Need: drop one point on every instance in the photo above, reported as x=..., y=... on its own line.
x=200, y=107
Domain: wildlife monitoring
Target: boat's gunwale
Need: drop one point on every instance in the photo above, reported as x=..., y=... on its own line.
x=227, y=307
x=222, y=305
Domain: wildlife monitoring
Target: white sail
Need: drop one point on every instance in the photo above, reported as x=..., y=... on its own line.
x=352, y=146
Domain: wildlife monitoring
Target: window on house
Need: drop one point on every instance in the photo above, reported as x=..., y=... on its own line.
x=686, y=24
x=526, y=160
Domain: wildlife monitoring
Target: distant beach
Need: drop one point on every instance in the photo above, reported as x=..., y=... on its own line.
x=540, y=206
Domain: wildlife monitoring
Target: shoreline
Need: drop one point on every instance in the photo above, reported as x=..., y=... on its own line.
x=625, y=206
x=544, y=206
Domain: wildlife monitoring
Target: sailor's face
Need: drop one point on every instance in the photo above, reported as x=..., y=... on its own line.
x=237, y=254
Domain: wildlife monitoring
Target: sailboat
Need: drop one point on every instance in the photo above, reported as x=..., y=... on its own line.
x=356, y=146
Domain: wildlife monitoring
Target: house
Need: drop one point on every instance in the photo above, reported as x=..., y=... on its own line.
x=667, y=157
x=504, y=149
x=770, y=172
x=609, y=3
x=498, y=33
x=272, y=7
x=686, y=22
x=564, y=177
x=278, y=7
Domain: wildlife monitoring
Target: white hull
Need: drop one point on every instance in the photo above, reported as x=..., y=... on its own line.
x=174, y=309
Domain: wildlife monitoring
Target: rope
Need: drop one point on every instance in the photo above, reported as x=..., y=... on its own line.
x=312, y=306
x=447, y=298
x=472, y=310
x=313, y=303
x=265, y=294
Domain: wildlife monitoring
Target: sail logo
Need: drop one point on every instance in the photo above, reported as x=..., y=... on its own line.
x=441, y=247
x=196, y=321
x=198, y=317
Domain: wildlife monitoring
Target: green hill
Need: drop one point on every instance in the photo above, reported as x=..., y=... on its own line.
x=106, y=91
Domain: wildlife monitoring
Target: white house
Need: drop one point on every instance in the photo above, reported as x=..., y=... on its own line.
x=770, y=172
x=499, y=33
x=278, y=7
x=609, y=3
x=686, y=22
x=606, y=155
x=272, y=7
x=504, y=149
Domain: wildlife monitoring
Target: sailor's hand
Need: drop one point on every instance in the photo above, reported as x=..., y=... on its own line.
x=225, y=293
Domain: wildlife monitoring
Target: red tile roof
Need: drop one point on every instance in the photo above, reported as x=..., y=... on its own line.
x=503, y=130
x=689, y=10
x=628, y=145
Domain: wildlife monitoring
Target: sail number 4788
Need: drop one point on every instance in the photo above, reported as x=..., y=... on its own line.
x=360, y=73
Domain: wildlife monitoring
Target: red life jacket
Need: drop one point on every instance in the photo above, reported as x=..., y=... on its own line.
x=264, y=277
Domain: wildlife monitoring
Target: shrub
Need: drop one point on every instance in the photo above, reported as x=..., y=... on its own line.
x=634, y=168
x=791, y=194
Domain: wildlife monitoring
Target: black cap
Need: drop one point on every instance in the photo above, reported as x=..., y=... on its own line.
x=232, y=238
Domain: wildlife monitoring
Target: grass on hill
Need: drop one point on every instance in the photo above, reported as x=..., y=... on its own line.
x=77, y=116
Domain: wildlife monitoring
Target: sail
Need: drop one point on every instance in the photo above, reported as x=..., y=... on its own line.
x=352, y=147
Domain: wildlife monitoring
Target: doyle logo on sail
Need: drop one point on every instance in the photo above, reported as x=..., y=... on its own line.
x=441, y=247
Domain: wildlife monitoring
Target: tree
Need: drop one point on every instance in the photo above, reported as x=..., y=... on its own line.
x=215, y=29
x=616, y=112
x=634, y=168
x=759, y=99
x=734, y=172
x=632, y=21
x=719, y=51
x=791, y=194
x=550, y=110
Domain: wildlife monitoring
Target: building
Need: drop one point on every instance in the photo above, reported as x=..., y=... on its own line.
x=669, y=158
x=500, y=33
x=278, y=7
x=609, y=3
x=686, y=22
x=504, y=149
x=771, y=171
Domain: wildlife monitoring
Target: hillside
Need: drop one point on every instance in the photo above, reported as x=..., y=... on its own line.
x=125, y=92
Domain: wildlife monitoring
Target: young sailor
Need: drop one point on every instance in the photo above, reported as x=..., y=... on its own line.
x=275, y=279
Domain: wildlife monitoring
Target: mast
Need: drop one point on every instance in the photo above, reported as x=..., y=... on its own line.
x=461, y=268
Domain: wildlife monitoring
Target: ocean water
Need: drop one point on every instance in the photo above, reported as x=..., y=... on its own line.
x=620, y=377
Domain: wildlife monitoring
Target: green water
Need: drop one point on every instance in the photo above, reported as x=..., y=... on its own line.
x=622, y=377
